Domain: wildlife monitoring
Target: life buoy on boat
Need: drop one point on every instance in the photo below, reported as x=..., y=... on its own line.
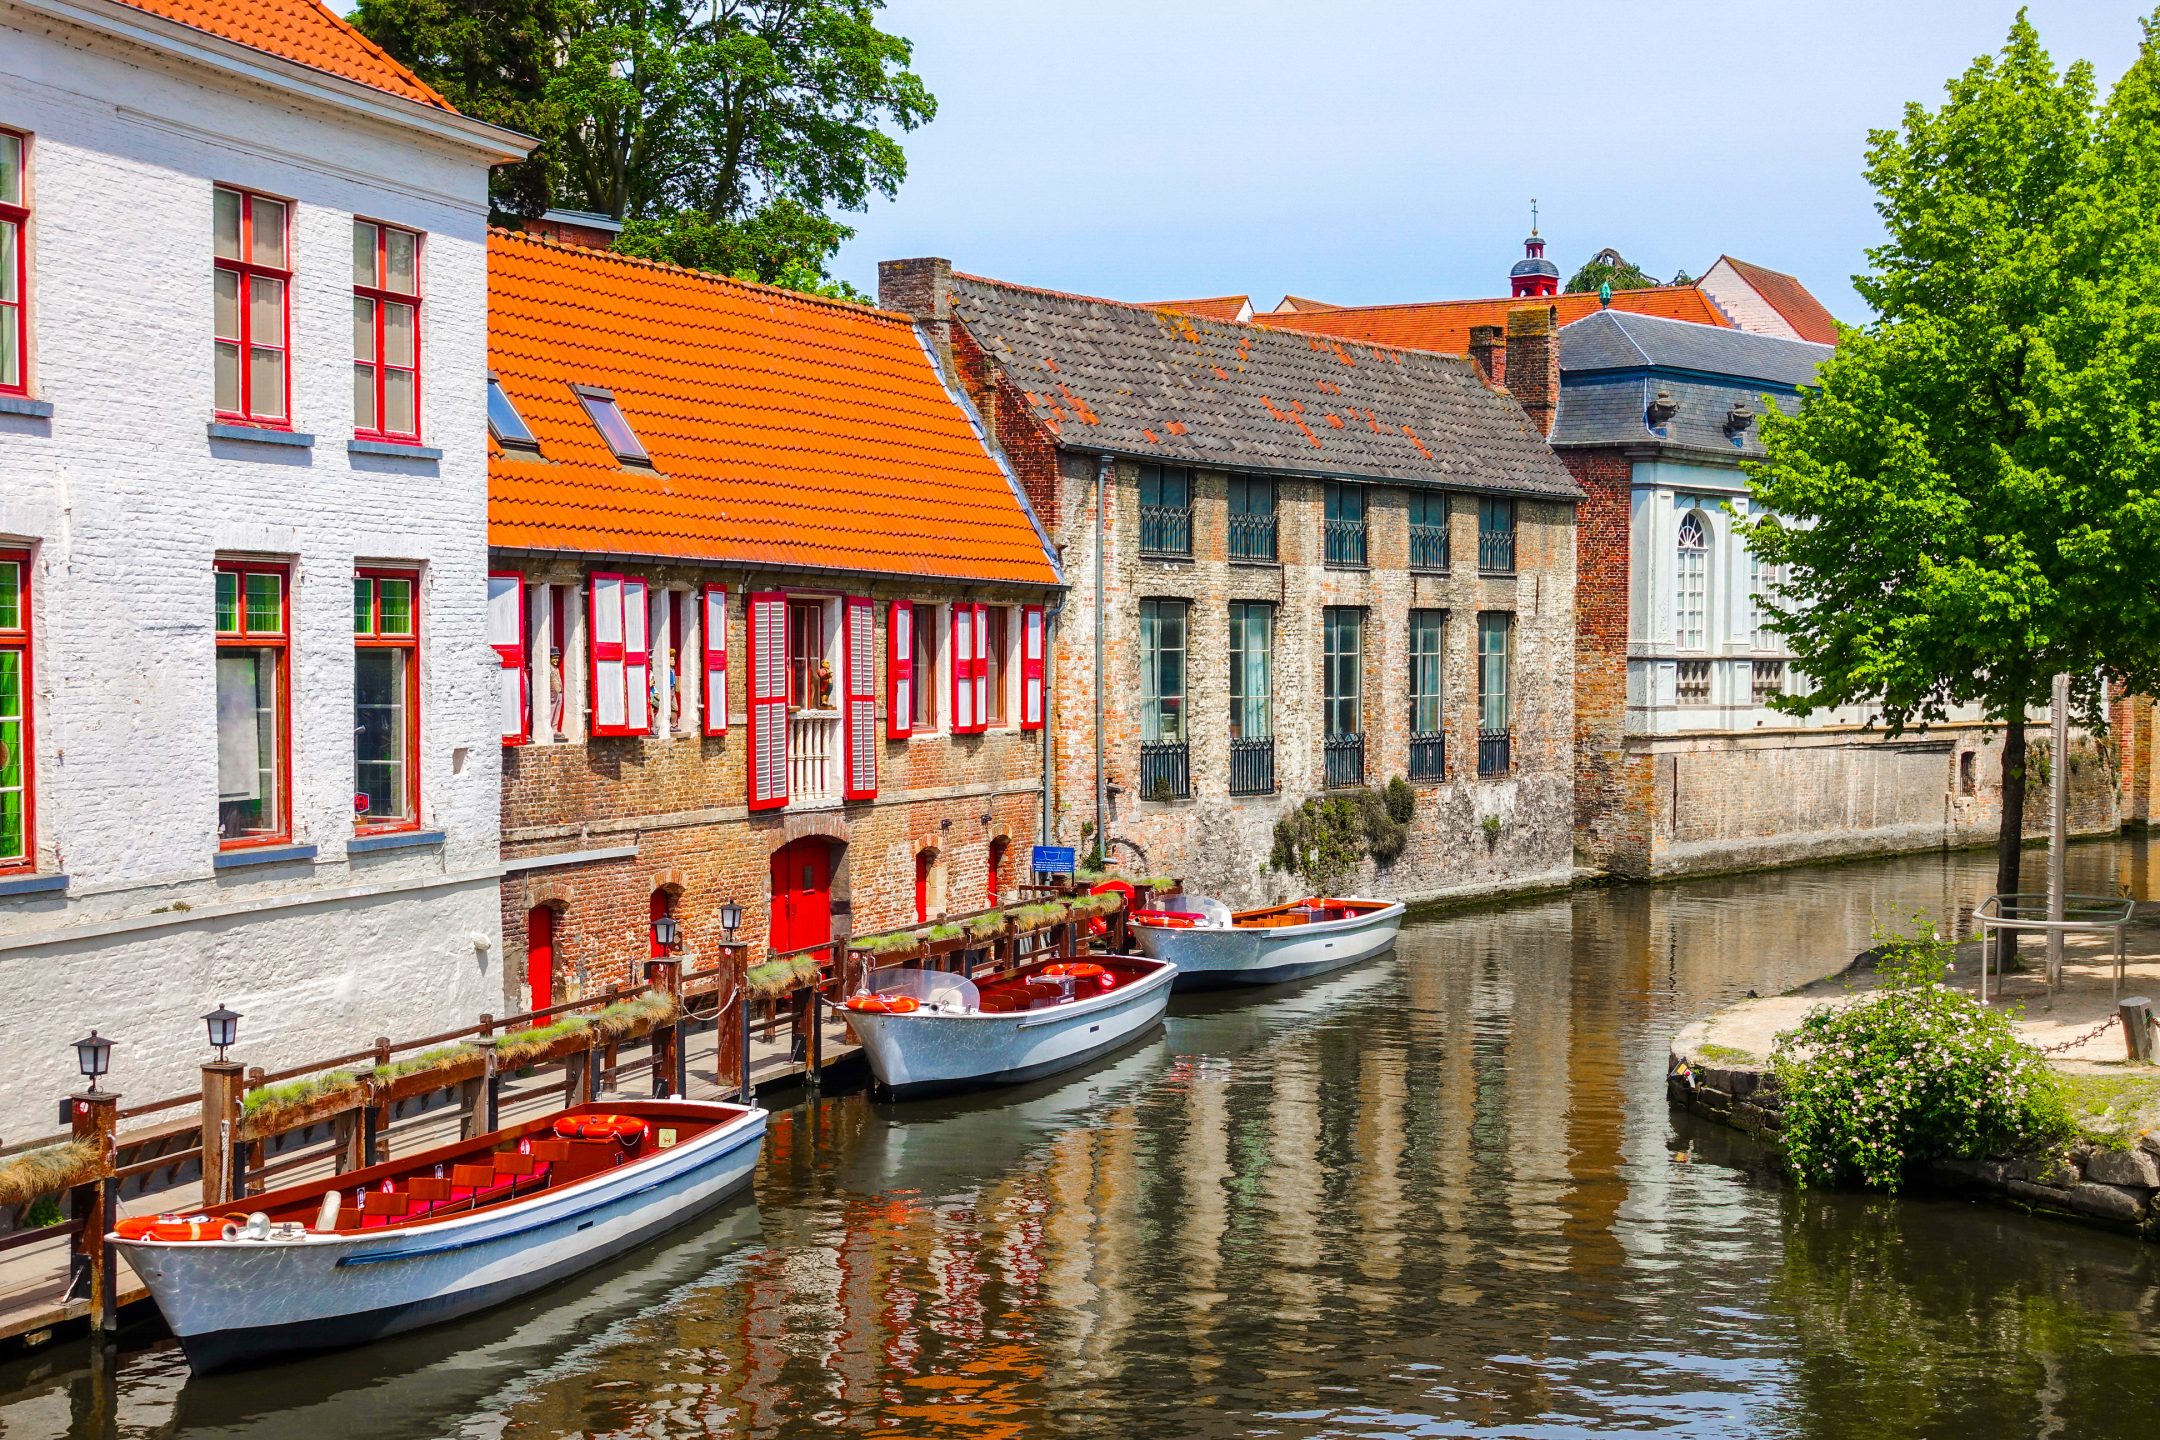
x=1078, y=970
x=170, y=1227
x=883, y=1004
x=627, y=1129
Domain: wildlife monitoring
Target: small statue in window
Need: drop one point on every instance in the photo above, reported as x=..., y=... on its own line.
x=555, y=688
x=821, y=691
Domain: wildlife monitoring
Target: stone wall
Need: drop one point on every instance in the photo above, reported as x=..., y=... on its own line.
x=2083, y=1181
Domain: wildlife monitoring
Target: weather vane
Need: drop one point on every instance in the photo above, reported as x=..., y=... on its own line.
x=1533, y=215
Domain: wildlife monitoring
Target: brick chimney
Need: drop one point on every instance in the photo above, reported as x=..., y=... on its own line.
x=1488, y=354
x=1532, y=366
x=576, y=227
x=922, y=289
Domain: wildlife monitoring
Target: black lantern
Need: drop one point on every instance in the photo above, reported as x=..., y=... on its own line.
x=224, y=1029
x=731, y=919
x=93, y=1056
x=667, y=934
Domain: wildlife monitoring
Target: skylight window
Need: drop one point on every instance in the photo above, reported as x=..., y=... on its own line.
x=504, y=423
x=607, y=418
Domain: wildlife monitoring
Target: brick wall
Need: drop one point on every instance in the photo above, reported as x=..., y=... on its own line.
x=1612, y=787
x=681, y=801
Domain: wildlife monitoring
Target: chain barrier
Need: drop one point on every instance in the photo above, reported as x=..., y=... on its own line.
x=2093, y=1034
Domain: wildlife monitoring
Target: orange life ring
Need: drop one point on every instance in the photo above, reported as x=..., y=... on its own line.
x=626, y=1128
x=169, y=1227
x=1079, y=970
x=883, y=1004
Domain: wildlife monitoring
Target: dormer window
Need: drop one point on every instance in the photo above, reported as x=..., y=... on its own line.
x=607, y=418
x=504, y=423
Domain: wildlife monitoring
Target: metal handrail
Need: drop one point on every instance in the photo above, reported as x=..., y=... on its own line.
x=2082, y=914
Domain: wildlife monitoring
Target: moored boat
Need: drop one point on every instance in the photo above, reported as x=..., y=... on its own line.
x=438, y=1234
x=1213, y=946
x=927, y=1032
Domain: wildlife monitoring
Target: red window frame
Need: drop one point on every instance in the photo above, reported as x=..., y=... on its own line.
x=900, y=670
x=510, y=653
x=381, y=295
x=1033, y=642
x=279, y=640
x=18, y=639
x=374, y=639
x=858, y=698
x=970, y=669
x=633, y=657
x=15, y=314
x=248, y=271
x=765, y=629
x=712, y=638
x=993, y=634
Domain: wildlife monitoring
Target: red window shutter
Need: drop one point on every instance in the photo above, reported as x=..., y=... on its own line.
x=506, y=632
x=637, y=659
x=1031, y=668
x=982, y=667
x=606, y=627
x=900, y=670
x=963, y=669
x=714, y=632
x=859, y=723
x=767, y=762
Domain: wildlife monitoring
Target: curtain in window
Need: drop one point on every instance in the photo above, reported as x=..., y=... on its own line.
x=1425, y=672
x=1162, y=672
x=1252, y=672
x=1343, y=670
x=1496, y=646
x=1691, y=583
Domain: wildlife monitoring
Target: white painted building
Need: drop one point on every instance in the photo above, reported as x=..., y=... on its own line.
x=243, y=544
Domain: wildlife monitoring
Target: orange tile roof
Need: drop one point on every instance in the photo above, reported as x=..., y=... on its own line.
x=1291, y=304
x=1786, y=295
x=1215, y=307
x=783, y=429
x=301, y=31
x=1444, y=325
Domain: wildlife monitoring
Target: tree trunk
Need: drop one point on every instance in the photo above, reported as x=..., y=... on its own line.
x=2010, y=834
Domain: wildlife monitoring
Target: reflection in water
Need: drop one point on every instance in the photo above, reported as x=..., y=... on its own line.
x=1435, y=1194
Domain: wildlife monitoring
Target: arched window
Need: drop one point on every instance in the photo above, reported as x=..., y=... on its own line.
x=994, y=863
x=1691, y=596
x=540, y=957
x=929, y=885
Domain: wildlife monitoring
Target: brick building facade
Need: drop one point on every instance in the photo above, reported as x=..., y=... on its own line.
x=1322, y=566
x=681, y=459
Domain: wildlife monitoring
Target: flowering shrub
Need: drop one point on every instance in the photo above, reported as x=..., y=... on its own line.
x=1916, y=1073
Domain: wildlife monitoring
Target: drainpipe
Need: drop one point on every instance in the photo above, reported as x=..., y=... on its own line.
x=1049, y=717
x=1102, y=780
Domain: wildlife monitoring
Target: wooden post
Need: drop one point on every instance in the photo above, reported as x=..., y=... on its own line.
x=375, y=1120
x=2137, y=1021
x=221, y=1092
x=95, y=1116
x=747, y=1092
x=482, y=1098
x=667, y=1040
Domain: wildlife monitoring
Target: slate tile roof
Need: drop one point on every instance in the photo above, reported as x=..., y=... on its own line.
x=783, y=429
x=1155, y=384
x=1786, y=295
x=1613, y=365
x=1444, y=325
x=1615, y=340
x=301, y=31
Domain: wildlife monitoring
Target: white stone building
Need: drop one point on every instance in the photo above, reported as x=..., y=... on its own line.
x=242, y=368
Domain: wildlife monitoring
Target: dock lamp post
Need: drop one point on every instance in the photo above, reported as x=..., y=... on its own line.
x=93, y=1056
x=731, y=919
x=667, y=934
x=224, y=1027
x=730, y=922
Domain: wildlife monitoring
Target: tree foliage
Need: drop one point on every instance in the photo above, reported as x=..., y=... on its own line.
x=1969, y=501
x=722, y=132
x=1610, y=267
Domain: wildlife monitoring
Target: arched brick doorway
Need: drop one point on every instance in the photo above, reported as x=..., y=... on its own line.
x=540, y=957
x=802, y=883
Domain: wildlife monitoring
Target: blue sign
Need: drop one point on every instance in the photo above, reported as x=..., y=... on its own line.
x=1054, y=859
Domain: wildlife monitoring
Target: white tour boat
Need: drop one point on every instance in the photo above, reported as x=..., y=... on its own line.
x=1212, y=946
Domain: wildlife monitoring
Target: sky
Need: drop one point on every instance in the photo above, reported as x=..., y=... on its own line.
x=1368, y=151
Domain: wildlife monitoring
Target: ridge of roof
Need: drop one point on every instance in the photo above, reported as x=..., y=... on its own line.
x=1353, y=311
x=1658, y=342
x=1153, y=307
x=248, y=23
x=714, y=277
x=1233, y=327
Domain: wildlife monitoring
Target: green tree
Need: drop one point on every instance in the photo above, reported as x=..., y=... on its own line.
x=1608, y=266
x=722, y=132
x=1966, y=505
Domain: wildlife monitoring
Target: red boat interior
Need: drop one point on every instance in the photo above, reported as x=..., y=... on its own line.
x=1313, y=910
x=1039, y=986
x=458, y=1179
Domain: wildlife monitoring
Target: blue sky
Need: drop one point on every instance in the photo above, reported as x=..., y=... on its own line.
x=1362, y=151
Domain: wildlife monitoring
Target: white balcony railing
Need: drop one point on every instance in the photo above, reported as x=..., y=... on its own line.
x=813, y=757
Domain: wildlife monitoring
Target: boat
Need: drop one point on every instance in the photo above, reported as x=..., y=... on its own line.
x=928, y=1032
x=1213, y=946
x=438, y=1234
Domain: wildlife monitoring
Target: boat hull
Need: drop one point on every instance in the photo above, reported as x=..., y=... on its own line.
x=1216, y=958
x=233, y=1302
x=923, y=1053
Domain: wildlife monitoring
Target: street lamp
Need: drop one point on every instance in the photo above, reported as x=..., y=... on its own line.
x=731, y=919
x=93, y=1056
x=224, y=1029
x=667, y=934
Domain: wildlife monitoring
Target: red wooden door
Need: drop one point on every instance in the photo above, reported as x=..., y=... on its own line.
x=801, y=895
x=540, y=956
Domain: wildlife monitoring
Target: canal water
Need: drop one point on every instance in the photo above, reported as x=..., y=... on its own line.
x=1439, y=1195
